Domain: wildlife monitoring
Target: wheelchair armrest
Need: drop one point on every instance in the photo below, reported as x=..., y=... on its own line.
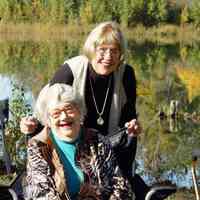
x=13, y=193
x=161, y=192
x=7, y=193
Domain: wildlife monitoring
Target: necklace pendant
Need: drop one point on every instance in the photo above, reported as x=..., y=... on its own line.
x=100, y=121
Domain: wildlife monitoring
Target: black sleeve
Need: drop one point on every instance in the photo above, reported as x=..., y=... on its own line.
x=126, y=152
x=63, y=75
x=128, y=112
x=125, y=155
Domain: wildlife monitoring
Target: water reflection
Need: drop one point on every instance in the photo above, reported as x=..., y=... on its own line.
x=166, y=154
x=166, y=144
x=5, y=87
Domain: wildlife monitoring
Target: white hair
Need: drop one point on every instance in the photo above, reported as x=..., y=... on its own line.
x=51, y=96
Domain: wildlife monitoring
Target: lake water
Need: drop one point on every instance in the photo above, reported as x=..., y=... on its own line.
x=166, y=73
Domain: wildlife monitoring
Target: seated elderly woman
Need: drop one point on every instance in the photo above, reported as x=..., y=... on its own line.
x=66, y=161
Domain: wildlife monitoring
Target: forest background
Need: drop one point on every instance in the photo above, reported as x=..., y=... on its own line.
x=129, y=13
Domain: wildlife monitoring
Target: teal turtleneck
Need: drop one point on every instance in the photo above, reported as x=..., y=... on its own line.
x=67, y=153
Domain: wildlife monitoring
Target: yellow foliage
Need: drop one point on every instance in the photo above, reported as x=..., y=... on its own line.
x=184, y=15
x=183, y=53
x=191, y=78
x=86, y=15
x=143, y=90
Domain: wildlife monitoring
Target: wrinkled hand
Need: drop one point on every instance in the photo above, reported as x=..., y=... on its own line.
x=28, y=124
x=133, y=127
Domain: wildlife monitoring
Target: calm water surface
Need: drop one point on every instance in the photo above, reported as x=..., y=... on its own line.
x=165, y=73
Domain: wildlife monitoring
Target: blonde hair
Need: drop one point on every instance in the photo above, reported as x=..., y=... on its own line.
x=105, y=33
x=51, y=96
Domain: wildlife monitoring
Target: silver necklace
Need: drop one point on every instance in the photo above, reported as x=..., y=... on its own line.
x=100, y=120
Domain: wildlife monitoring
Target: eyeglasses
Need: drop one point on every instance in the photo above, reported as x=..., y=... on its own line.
x=104, y=51
x=56, y=113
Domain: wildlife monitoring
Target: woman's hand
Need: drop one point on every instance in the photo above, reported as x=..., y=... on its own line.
x=133, y=127
x=28, y=124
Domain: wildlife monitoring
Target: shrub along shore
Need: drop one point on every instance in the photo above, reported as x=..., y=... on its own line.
x=163, y=33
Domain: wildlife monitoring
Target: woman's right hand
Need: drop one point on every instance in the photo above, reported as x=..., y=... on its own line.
x=28, y=124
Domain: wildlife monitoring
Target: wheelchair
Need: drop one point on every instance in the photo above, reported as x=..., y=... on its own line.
x=7, y=193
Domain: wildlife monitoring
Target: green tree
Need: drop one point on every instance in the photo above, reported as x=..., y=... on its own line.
x=4, y=10
x=10, y=10
x=95, y=11
x=18, y=108
x=131, y=11
x=146, y=12
x=56, y=11
x=194, y=11
x=156, y=11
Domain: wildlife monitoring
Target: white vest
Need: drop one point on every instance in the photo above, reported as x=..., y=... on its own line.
x=79, y=66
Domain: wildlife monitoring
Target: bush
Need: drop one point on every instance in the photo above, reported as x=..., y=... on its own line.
x=194, y=11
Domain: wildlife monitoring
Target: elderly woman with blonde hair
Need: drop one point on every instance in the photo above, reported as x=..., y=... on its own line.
x=69, y=162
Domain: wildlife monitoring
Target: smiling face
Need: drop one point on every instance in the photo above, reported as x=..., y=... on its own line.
x=106, y=59
x=64, y=120
x=105, y=47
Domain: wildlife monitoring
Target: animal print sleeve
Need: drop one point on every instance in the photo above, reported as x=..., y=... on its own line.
x=40, y=183
x=121, y=187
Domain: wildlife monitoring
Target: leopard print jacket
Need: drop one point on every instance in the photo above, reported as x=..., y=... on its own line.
x=103, y=179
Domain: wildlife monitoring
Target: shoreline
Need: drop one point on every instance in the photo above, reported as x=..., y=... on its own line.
x=164, y=34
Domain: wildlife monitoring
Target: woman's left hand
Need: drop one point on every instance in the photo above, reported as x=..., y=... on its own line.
x=133, y=127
